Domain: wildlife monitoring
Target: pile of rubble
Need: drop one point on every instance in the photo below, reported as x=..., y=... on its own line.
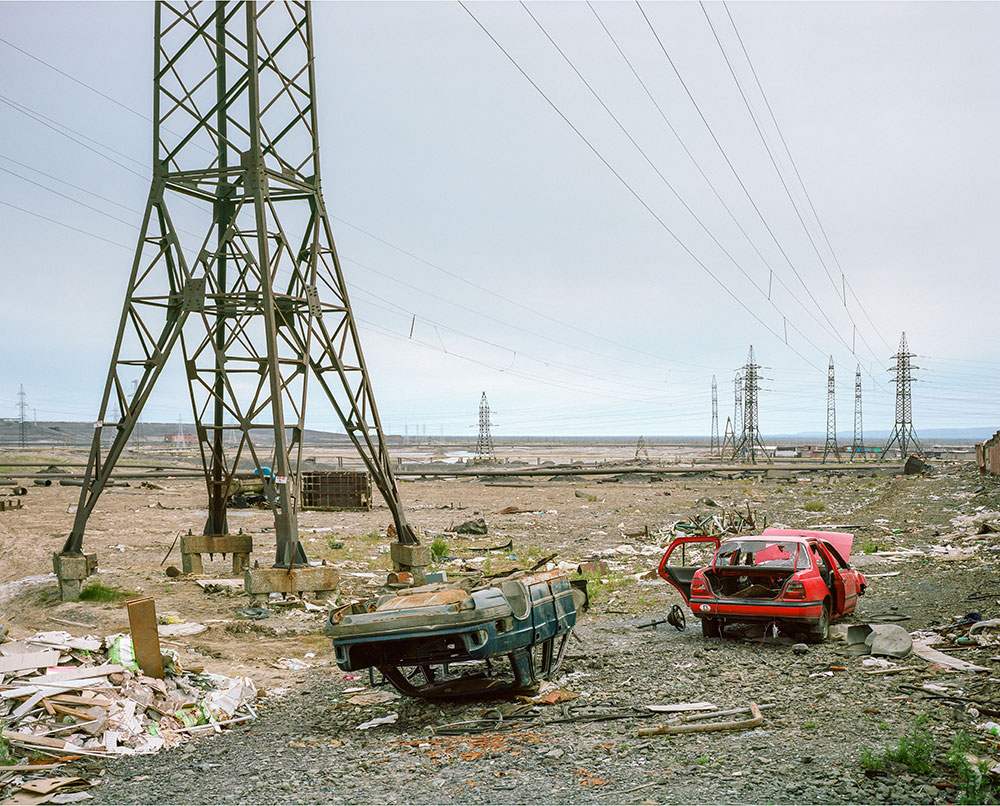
x=65, y=697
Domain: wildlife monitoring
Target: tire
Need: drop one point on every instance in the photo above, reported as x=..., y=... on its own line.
x=821, y=631
x=710, y=627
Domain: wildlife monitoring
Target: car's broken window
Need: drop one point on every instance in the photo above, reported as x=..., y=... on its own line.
x=765, y=554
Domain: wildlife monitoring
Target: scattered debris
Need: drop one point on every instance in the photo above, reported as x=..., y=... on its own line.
x=382, y=720
x=683, y=724
x=114, y=708
x=473, y=527
x=921, y=649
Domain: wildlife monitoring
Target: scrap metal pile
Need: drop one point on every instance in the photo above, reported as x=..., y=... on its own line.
x=727, y=522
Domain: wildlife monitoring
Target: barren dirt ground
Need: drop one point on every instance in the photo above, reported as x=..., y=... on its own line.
x=306, y=746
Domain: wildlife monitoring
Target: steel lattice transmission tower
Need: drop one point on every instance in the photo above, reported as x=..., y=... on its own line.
x=255, y=298
x=903, y=436
x=831, y=445
x=737, y=412
x=22, y=407
x=484, y=445
x=750, y=444
x=858, y=446
x=715, y=449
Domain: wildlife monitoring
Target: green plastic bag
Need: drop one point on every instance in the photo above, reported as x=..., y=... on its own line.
x=122, y=653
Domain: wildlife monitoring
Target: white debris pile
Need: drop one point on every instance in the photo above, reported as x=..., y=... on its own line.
x=65, y=696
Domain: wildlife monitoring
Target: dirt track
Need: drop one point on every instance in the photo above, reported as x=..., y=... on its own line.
x=305, y=746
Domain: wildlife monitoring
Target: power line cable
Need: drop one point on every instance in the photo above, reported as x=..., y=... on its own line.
x=631, y=190
x=737, y=176
x=663, y=179
x=67, y=226
x=784, y=184
x=798, y=175
x=711, y=185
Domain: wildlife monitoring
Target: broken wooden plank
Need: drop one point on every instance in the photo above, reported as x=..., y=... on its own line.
x=145, y=635
x=920, y=649
x=28, y=705
x=29, y=661
x=78, y=672
x=31, y=738
x=755, y=721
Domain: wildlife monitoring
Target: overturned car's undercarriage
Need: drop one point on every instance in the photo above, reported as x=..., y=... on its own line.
x=449, y=639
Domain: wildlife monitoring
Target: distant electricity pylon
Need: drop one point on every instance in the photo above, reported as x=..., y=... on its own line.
x=903, y=435
x=750, y=444
x=640, y=449
x=737, y=412
x=715, y=448
x=831, y=445
x=858, y=446
x=22, y=407
x=484, y=445
x=728, y=438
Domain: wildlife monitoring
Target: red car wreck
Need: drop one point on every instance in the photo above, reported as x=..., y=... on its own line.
x=797, y=579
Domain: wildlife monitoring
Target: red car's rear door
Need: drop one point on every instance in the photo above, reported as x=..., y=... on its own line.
x=687, y=554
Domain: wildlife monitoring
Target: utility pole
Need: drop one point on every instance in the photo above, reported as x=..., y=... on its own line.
x=256, y=299
x=903, y=436
x=484, y=445
x=858, y=446
x=751, y=444
x=831, y=445
x=22, y=407
x=714, y=450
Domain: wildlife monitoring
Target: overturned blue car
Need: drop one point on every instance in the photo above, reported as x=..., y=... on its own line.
x=446, y=640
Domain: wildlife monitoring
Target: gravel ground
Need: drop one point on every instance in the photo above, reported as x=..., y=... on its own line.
x=306, y=747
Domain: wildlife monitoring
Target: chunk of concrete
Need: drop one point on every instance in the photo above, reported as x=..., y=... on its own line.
x=890, y=641
x=838, y=633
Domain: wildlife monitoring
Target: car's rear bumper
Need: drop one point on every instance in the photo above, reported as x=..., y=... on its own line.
x=755, y=610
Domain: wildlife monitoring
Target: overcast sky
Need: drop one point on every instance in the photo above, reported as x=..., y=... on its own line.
x=581, y=313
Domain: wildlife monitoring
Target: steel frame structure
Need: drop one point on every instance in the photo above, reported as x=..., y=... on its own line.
x=903, y=435
x=484, y=444
x=715, y=449
x=236, y=262
x=831, y=446
x=750, y=443
x=737, y=411
x=858, y=446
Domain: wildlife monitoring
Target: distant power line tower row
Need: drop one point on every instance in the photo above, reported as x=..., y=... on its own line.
x=484, y=445
x=903, y=436
x=22, y=407
x=831, y=446
x=858, y=446
x=750, y=444
x=715, y=447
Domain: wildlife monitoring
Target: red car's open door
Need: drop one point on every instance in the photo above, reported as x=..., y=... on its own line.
x=683, y=557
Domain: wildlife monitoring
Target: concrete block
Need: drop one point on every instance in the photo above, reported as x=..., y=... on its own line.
x=319, y=580
x=408, y=556
x=193, y=546
x=72, y=569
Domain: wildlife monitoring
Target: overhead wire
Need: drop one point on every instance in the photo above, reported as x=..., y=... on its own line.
x=798, y=175
x=632, y=191
x=820, y=308
x=701, y=170
x=663, y=179
x=777, y=169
